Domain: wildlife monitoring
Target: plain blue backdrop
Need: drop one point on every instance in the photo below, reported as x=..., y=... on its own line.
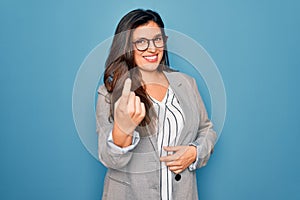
x=255, y=45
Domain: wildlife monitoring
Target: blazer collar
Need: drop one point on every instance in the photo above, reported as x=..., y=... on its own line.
x=181, y=88
x=183, y=92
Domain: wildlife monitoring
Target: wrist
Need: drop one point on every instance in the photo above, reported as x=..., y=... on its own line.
x=194, y=145
x=125, y=131
x=120, y=138
x=194, y=152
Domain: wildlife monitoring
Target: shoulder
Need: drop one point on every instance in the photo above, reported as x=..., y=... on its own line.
x=104, y=96
x=102, y=90
x=179, y=76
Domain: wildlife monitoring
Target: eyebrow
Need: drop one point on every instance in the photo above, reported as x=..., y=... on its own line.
x=157, y=35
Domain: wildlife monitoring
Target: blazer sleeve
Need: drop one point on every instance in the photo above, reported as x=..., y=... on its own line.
x=206, y=136
x=108, y=155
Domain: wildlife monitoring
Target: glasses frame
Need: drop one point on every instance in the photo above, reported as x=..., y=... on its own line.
x=164, y=37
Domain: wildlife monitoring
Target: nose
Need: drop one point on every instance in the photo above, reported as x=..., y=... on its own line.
x=151, y=47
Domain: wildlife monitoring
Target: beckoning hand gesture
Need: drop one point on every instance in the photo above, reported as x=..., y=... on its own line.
x=129, y=111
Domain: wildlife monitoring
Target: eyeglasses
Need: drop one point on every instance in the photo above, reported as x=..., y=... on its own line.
x=142, y=44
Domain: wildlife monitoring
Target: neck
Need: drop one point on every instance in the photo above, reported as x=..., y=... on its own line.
x=154, y=77
x=150, y=76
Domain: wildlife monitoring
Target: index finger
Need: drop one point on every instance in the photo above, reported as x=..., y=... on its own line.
x=167, y=158
x=172, y=148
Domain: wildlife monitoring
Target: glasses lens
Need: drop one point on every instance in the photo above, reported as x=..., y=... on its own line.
x=159, y=42
x=141, y=44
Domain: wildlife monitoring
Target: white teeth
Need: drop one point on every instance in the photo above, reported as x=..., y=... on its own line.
x=150, y=57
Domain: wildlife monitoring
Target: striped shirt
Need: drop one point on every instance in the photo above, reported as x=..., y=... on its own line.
x=170, y=121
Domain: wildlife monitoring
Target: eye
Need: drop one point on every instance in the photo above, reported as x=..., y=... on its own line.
x=141, y=41
x=158, y=39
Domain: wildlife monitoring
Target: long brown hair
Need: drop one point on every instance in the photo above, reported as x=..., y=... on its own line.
x=120, y=62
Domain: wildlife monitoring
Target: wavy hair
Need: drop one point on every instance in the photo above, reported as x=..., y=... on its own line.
x=120, y=62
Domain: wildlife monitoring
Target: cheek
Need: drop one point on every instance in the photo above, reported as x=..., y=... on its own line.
x=160, y=56
x=137, y=57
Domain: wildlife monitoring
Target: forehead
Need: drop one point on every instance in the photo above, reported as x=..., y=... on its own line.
x=148, y=30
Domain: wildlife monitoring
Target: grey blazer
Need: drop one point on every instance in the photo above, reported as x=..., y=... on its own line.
x=134, y=175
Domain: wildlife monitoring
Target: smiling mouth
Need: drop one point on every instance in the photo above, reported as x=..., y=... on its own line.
x=152, y=58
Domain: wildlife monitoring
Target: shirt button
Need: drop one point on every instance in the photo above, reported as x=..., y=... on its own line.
x=177, y=177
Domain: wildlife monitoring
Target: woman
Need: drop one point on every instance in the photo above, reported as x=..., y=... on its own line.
x=152, y=124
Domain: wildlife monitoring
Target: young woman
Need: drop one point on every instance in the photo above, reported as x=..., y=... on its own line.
x=153, y=128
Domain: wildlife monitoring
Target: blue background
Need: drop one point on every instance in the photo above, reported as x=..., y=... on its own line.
x=255, y=45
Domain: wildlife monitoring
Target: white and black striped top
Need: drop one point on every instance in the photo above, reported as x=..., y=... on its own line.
x=170, y=121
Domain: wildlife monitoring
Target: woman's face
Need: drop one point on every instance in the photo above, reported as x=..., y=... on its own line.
x=148, y=59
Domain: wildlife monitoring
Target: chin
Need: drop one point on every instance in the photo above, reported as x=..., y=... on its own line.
x=149, y=67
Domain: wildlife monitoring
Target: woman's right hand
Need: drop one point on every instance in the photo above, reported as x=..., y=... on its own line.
x=129, y=111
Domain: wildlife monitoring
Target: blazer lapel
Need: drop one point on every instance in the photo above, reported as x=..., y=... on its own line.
x=181, y=88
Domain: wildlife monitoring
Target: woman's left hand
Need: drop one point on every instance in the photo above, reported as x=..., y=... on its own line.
x=182, y=157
